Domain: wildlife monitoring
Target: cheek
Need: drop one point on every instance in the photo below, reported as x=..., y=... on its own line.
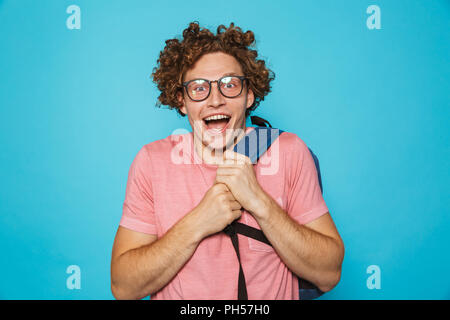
x=194, y=116
x=239, y=107
x=240, y=115
x=193, y=112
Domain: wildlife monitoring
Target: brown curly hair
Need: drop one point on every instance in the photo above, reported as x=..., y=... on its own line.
x=179, y=56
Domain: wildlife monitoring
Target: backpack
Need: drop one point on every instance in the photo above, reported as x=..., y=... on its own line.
x=307, y=290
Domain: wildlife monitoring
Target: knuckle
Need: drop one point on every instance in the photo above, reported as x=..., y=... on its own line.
x=229, y=216
x=216, y=189
x=226, y=205
x=221, y=198
x=221, y=187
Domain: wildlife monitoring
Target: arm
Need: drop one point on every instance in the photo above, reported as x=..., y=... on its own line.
x=141, y=264
x=314, y=251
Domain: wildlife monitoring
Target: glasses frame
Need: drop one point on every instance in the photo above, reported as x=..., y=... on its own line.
x=186, y=83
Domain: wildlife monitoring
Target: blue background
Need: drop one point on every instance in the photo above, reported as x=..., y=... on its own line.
x=373, y=105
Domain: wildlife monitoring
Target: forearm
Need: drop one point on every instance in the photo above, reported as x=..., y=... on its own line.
x=309, y=254
x=142, y=271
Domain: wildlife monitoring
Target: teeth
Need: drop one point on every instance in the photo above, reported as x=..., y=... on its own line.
x=217, y=117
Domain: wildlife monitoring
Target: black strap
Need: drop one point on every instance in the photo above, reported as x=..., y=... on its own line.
x=242, y=288
x=260, y=121
x=232, y=230
x=251, y=232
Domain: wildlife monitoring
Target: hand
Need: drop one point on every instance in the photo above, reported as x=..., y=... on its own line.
x=238, y=175
x=216, y=210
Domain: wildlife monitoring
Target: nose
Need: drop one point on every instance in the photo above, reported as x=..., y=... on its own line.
x=215, y=99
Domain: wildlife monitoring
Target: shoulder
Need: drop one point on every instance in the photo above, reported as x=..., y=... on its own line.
x=292, y=143
x=163, y=148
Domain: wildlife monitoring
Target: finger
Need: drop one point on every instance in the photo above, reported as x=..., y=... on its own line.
x=222, y=187
x=223, y=180
x=227, y=171
x=235, y=205
x=234, y=157
x=237, y=214
x=230, y=198
x=231, y=164
x=226, y=180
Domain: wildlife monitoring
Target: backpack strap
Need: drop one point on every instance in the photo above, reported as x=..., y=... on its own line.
x=260, y=121
x=262, y=140
x=308, y=290
x=255, y=143
x=242, y=288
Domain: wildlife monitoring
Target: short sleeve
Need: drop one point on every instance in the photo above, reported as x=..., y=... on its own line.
x=305, y=202
x=138, y=211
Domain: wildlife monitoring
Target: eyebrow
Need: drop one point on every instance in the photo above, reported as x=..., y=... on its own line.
x=230, y=74
x=223, y=75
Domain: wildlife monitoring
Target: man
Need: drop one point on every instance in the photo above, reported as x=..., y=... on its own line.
x=170, y=243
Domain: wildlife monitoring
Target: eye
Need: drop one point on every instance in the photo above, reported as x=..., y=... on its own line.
x=229, y=82
x=199, y=89
x=198, y=86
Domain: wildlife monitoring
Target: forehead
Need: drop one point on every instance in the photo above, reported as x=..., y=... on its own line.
x=212, y=66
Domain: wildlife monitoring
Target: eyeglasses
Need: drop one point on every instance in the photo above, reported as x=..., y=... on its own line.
x=229, y=86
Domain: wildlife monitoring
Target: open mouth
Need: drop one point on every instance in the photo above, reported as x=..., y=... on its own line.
x=216, y=124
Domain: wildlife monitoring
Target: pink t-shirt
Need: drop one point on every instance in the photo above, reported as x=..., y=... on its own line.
x=167, y=180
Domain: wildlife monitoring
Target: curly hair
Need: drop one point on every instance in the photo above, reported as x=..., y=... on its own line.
x=179, y=56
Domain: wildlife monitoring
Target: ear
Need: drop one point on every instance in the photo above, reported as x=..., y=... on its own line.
x=250, y=98
x=181, y=101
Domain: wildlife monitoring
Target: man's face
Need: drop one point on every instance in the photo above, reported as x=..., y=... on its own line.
x=216, y=134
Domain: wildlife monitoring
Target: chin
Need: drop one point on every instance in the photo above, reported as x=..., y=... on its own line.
x=219, y=142
x=223, y=140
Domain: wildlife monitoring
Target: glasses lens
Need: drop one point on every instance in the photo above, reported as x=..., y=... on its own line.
x=231, y=86
x=198, y=89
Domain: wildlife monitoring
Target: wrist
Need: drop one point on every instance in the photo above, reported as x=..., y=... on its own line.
x=190, y=225
x=263, y=206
